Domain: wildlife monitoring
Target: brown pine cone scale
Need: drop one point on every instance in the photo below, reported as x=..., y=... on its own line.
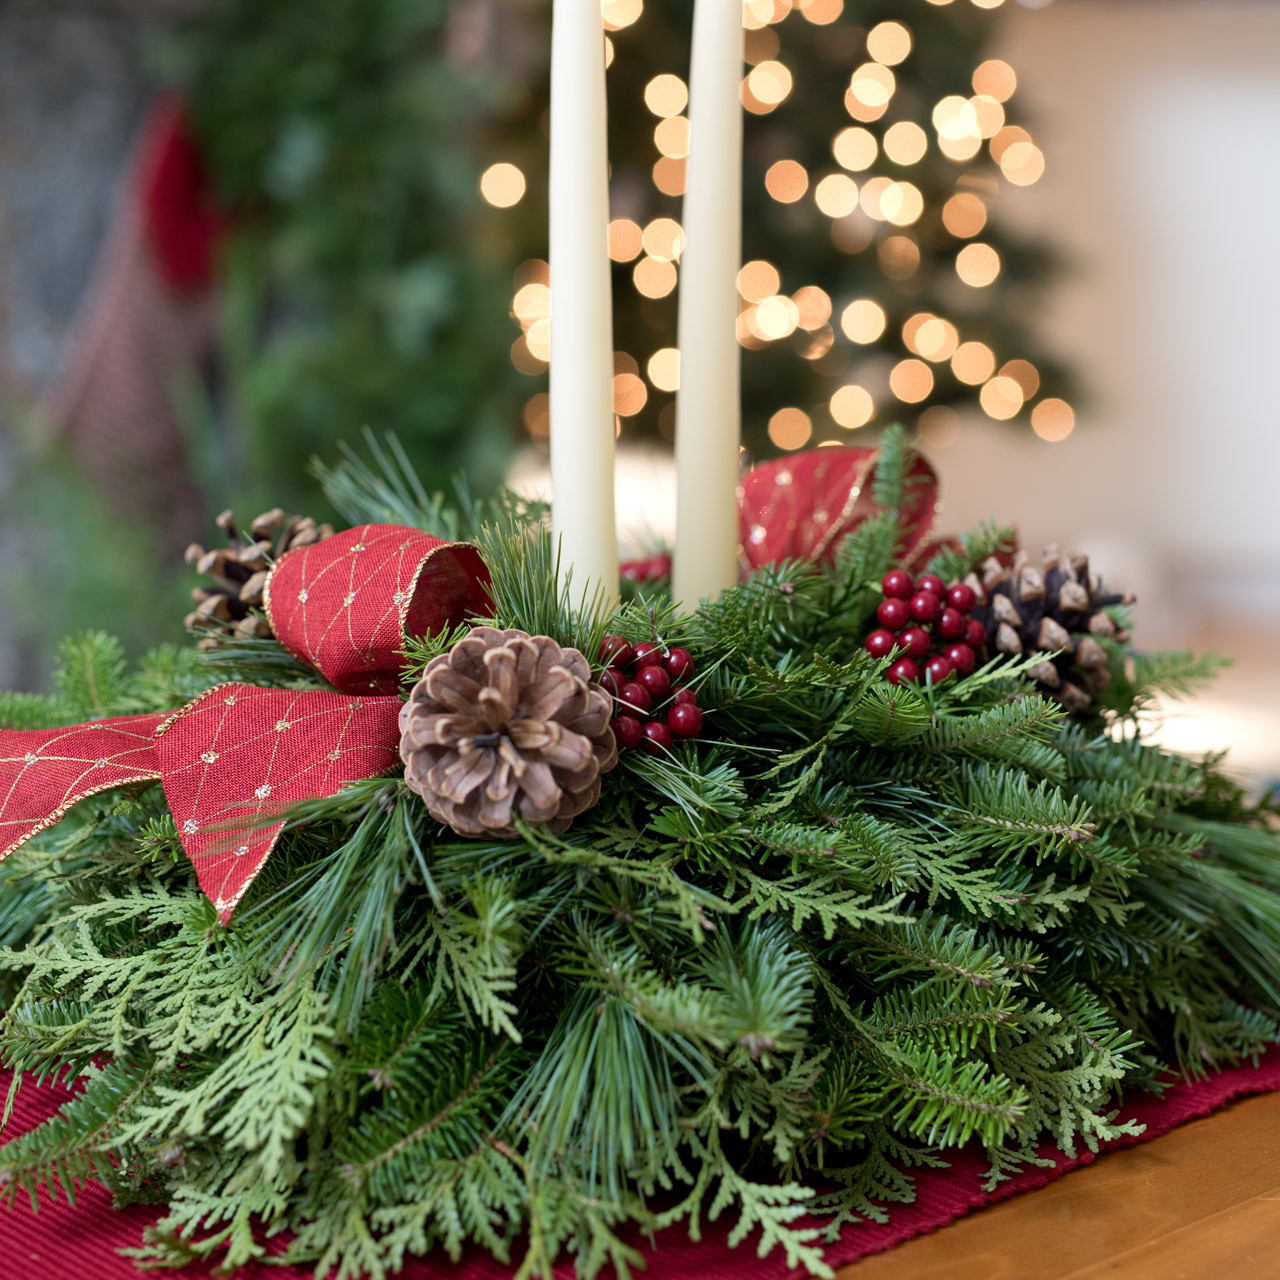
x=230, y=603
x=507, y=725
x=1056, y=609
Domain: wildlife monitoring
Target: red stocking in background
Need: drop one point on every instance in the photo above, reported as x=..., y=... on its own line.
x=146, y=321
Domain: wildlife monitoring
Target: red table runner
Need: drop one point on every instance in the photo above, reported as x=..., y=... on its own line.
x=62, y=1242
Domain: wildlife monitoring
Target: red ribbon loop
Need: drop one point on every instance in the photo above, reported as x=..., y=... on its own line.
x=345, y=605
x=799, y=507
x=239, y=754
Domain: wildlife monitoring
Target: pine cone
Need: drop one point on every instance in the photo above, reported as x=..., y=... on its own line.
x=1057, y=607
x=503, y=725
x=232, y=606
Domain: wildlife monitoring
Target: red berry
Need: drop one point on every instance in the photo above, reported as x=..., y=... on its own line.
x=925, y=606
x=962, y=597
x=938, y=668
x=679, y=663
x=881, y=643
x=616, y=651
x=903, y=669
x=931, y=582
x=656, y=680
x=961, y=657
x=684, y=720
x=897, y=582
x=647, y=654
x=611, y=680
x=657, y=738
x=686, y=698
x=917, y=642
x=894, y=613
x=635, y=697
x=975, y=634
x=951, y=624
x=628, y=731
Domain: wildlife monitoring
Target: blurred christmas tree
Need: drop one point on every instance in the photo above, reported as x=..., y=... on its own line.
x=361, y=285
x=369, y=141
x=878, y=285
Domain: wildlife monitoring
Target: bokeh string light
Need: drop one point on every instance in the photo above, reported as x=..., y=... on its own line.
x=886, y=288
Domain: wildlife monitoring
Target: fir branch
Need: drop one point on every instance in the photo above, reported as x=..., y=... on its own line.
x=77, y=1143
x=933, y=945
x=1017, y=816
x=33, y=711
x=976, y=545
x=946, y=1104
x=1178, y=674
x=889, y=483
x=1017, y=732
x=958, y=1024
x=892, y=714
x=90, y=675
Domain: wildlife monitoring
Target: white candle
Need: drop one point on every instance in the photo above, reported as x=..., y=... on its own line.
x=582, y=432
x=707, y=408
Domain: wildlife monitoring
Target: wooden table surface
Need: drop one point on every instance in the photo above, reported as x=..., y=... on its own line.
x=1200, y=1203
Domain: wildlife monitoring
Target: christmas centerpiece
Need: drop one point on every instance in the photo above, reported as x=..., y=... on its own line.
x=482, y=978
x=443, y=895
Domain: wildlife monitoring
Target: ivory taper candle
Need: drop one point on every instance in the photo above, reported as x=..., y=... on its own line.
x=707, y=408
x=582, y=433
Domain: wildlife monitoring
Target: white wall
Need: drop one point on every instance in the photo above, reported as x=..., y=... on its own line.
x=1160, y=122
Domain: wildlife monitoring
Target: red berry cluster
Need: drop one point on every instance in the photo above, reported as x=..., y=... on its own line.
x=652, y=711
x=928, y=624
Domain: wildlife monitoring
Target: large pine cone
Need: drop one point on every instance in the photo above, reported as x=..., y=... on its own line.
x=230, y=604
x=507, y=725
x=1056, y=607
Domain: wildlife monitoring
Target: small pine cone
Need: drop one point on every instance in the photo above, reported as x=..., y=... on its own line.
x=230, y=603
x=506, y=725
x=1056, y=608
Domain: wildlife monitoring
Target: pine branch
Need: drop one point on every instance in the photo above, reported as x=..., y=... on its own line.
x=384, y=490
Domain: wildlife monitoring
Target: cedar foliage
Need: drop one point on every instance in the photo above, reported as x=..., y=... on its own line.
x=851, y=927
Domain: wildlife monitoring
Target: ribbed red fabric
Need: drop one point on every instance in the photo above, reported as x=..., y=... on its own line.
x=64, y=1242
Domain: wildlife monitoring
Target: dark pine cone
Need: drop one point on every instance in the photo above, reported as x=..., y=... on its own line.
x=230, y=604
x=506, y=725
x=1057, y=607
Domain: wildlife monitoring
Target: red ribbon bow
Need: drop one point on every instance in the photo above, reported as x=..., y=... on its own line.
x=800, y=506
x=238, y=754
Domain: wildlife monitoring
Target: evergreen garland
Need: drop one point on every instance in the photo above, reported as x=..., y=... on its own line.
x=853, y=926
